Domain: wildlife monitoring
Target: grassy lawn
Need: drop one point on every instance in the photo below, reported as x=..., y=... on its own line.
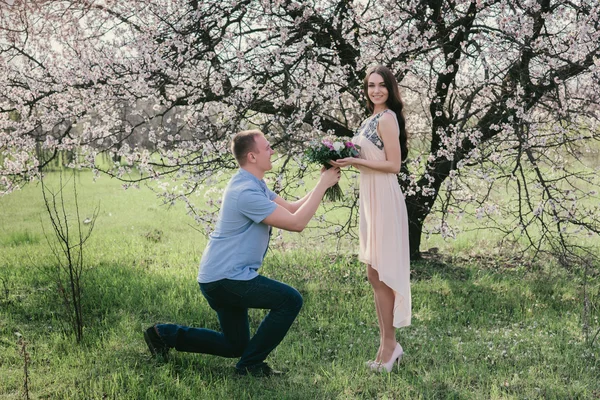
x=484, y=326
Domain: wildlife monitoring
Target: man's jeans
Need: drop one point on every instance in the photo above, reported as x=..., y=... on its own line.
x=231, y=300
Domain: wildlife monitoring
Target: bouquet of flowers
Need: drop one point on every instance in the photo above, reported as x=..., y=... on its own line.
x=323, y=151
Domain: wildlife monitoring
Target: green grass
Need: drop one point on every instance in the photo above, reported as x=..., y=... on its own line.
x=21, y=238
x=483, y=327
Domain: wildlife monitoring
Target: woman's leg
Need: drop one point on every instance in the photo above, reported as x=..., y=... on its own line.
x=372, y=274
x=384, y=297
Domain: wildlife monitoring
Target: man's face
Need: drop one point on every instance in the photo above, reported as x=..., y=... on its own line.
x=263, y=153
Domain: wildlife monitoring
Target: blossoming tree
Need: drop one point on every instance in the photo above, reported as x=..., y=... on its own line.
x=501, y=97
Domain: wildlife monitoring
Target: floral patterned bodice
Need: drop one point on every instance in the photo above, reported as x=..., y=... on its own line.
x=368, y=129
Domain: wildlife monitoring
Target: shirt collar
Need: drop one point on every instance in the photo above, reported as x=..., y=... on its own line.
x=247, y=175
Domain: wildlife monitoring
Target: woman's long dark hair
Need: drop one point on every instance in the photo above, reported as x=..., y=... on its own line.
x=394, y=102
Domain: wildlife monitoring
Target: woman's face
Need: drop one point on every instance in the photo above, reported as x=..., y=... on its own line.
x=377, y=91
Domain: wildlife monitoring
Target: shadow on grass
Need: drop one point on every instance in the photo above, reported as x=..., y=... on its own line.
x=121, y=300
x=430, y=265
x=113, y=296
x=119, y=295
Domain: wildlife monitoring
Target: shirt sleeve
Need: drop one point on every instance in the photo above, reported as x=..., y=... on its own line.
x=255, y=204
x=272, y=195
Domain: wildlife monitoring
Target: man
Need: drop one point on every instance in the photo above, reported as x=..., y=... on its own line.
x=228, y=274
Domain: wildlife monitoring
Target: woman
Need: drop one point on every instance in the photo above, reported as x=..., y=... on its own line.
x=383, y=218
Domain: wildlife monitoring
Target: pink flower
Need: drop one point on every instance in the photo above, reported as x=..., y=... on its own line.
x=349, y=144
x=328, y=143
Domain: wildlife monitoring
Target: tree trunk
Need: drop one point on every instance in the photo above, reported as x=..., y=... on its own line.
x=415, y=228
x=417, y=211
x=418, y=205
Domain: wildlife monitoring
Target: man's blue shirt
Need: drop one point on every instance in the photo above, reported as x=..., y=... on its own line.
x=237, y=246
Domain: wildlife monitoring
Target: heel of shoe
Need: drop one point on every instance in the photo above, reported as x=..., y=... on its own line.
x=395, y=359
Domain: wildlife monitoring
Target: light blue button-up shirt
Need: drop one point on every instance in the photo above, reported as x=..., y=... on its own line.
x=237, y=246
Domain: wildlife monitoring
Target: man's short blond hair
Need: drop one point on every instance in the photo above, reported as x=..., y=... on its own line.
x=243, y=143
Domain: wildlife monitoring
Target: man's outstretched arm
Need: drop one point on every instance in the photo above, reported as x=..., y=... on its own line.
x=297, y=220
x=292, y=206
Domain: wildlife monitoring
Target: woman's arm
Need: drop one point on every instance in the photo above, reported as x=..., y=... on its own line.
x=388, y=132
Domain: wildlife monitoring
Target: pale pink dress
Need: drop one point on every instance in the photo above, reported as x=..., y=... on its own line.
x=383, y=222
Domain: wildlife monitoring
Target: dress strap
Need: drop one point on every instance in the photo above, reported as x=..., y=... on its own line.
x=395, y=117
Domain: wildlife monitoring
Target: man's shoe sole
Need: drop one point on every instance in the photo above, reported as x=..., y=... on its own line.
x=150, y=345
x=153, y=349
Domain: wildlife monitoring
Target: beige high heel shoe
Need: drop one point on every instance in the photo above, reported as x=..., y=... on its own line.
x=388, y=366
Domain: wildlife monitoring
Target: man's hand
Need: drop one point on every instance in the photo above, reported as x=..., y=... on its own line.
x=284, y=219
x=329, y=177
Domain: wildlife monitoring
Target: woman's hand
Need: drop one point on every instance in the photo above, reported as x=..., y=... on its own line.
x=345, y=162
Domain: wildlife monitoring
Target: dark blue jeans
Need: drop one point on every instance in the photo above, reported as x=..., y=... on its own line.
x=231, y=300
